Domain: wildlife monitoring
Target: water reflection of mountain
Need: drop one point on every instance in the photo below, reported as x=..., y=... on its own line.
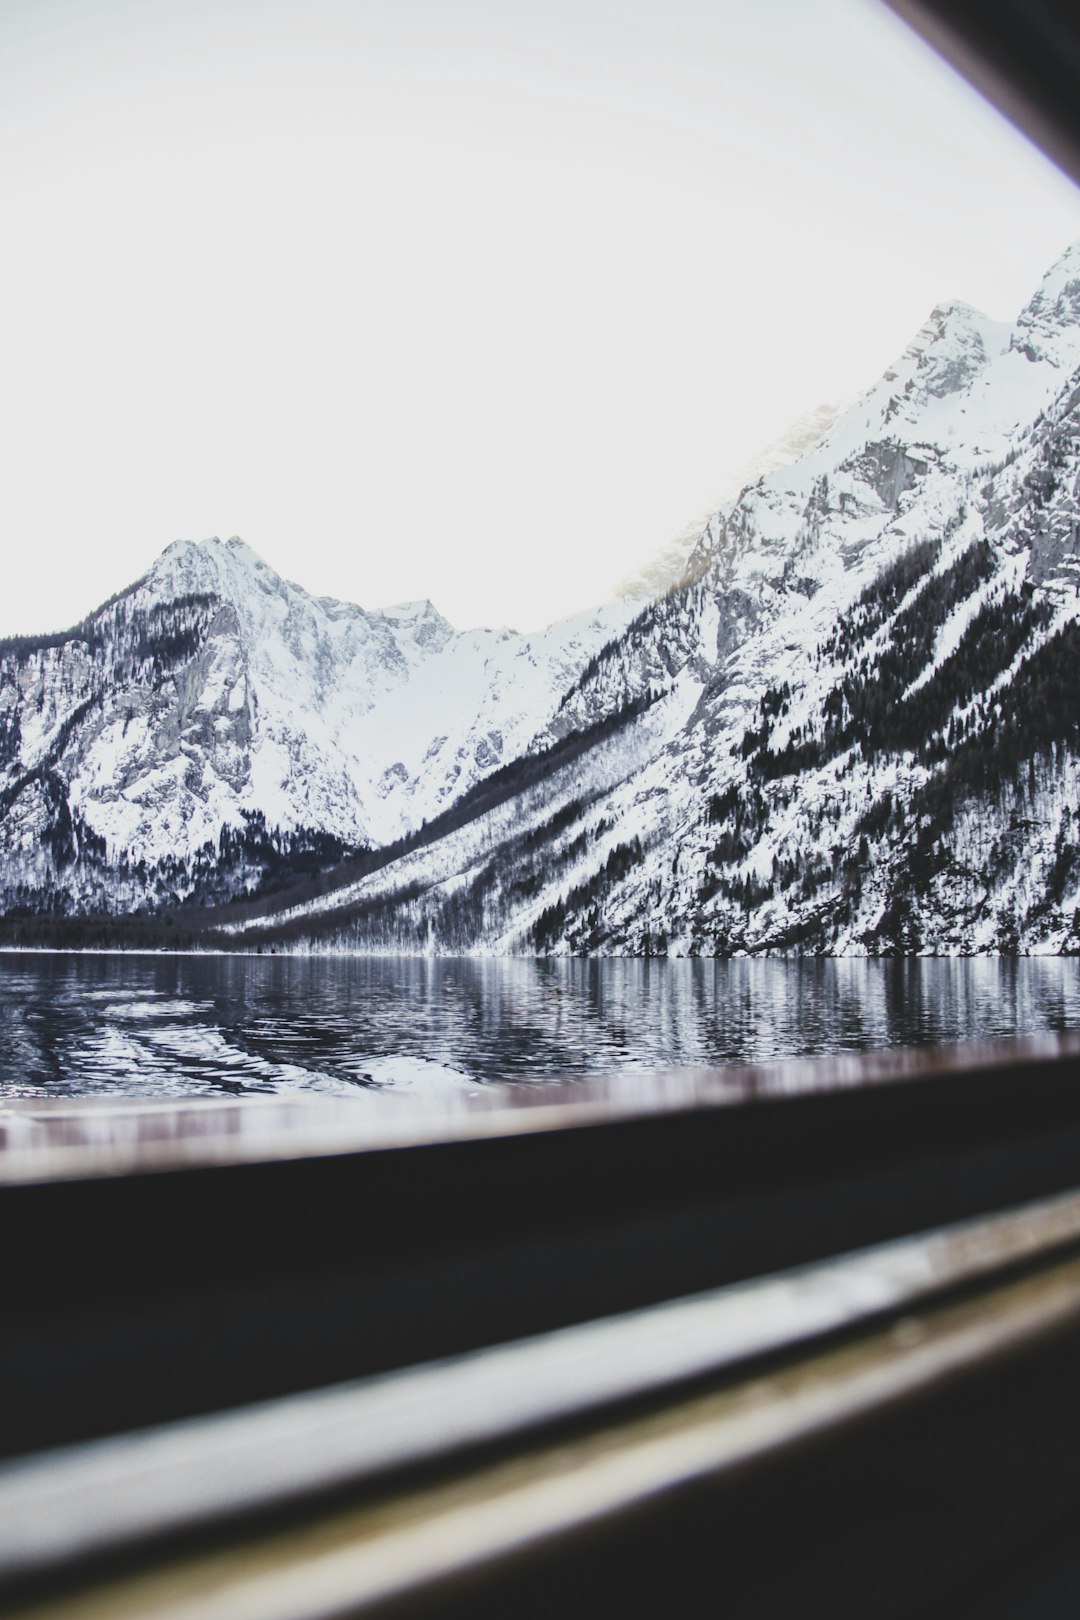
x=165, y=1026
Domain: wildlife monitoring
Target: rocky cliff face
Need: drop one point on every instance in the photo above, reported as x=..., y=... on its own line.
x=853, y=726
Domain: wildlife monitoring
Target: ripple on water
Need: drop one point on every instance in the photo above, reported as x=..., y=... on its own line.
x=72, y=1025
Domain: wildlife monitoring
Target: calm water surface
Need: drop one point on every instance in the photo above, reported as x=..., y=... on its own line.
x=213, y=1026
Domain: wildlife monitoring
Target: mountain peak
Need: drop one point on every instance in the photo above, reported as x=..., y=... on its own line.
x=1063, y=271
x=211, y=565
x=1048, y=327
x=952, y=345
x=419, y=609
x=422, y=622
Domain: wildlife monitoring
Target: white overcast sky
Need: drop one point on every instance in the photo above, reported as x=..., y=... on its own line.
x=471, y=299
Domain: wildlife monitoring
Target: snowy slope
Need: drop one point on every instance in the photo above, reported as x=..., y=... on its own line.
x=670, y=566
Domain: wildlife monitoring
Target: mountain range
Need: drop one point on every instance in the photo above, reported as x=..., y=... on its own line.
x=840, y=718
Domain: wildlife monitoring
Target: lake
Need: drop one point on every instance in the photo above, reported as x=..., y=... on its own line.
x=205, y=1026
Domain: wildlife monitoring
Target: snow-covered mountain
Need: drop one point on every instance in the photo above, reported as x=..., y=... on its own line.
x=214, y=722
x=852, y=726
